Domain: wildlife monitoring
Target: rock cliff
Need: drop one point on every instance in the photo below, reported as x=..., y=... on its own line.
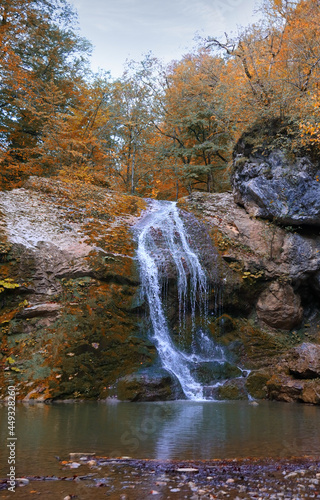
x=273, y=180
x=74, y=325
x=71, y=320
x=270, y=297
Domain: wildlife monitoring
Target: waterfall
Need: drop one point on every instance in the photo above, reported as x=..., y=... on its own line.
x=163, y=244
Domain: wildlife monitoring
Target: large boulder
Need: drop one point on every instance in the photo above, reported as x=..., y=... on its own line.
x=297, y=376
x=279, y=306
x=282, y=387
x=273, y=181
x=159, y=386
x=304, y=361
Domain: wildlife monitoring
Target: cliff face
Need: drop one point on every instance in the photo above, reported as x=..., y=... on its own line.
x=74, y=325
x=70, y=313
x=270, y=299
x=275, y=180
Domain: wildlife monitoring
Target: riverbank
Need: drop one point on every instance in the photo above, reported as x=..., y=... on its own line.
x=91, y=478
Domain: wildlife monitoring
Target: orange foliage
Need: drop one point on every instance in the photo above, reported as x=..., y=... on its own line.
x=158, y=131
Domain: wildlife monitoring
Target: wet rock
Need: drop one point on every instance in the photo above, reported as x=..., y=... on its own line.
x=233, y=389
x=256, y=383
x=208, y=373
x=146, y=387
x=279, y=307
x=311, y=392
x=283, y=388
x=304, y=360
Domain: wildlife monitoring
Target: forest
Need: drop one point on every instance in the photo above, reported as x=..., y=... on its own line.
x=160, y=130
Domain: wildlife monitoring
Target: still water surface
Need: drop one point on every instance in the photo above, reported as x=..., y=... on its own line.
x=163, y=430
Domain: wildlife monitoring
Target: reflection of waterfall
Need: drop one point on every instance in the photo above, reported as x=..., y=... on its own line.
x=187, y=422
x=163, y=242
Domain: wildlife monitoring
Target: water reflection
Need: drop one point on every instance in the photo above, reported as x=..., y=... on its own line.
x=162, y=430
x=238, y=429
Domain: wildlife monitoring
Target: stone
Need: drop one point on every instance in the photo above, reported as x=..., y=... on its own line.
x=274, y=183
x=254, y=245
x=304, y=361
x=256, y=383
x=81, y=456
x=187, y=469
x=279, y=306
x=209, y=372
x=311, y=392
x=147, y=387
x=71, y=249
x=45, y=309
x=233, y=389
x=283, y=388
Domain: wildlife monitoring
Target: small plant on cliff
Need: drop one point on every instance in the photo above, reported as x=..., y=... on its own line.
x=8, y=284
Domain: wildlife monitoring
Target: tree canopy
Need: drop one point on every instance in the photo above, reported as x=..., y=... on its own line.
x=159, y=130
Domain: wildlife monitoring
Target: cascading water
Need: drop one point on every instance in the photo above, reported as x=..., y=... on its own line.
x=162, y=238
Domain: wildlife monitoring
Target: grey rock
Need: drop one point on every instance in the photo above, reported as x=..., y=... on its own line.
x=277, y=187
x=46, y=309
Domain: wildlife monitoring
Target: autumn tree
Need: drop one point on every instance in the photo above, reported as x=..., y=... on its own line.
x=41, y=65
x=272, y=67
x=132, y=125
x=77, y=142
x=197, y=131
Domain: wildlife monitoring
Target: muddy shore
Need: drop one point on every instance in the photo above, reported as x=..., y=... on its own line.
x=92, y=478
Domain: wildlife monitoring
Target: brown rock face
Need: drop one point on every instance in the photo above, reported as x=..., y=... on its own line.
x=304, y=361
x=283, y=388
x=279, y=306
x=311, y=392
x=70, y=301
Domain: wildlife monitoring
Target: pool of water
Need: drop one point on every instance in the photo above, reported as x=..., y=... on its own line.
x=180, y=430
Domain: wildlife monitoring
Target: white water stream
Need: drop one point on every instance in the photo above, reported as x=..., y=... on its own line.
x=162, y=238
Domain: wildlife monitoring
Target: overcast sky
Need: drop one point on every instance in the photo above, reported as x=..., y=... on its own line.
x=128, y=29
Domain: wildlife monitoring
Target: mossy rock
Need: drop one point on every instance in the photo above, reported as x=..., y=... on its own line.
x=256, y=384
x=145, y=387
x=233, y=389
x=226, y=324
x=207, y=373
